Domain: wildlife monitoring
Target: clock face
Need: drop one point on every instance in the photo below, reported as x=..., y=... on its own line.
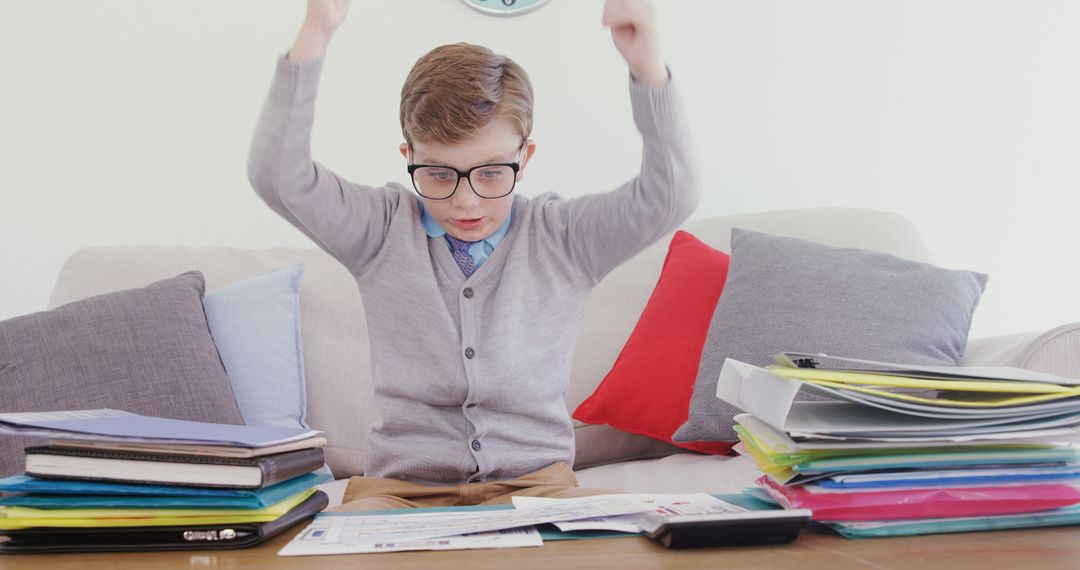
x=505, y=7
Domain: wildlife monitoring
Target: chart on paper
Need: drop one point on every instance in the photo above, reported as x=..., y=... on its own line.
x=355, y=532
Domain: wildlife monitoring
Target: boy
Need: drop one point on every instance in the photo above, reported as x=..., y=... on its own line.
x=473, y=293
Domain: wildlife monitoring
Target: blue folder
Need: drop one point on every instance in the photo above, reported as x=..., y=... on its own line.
x=1057, y=517
x=1067, y=476
x=70, y=494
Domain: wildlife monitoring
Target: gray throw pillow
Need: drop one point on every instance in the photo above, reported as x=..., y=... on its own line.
x=788, y=294
x=147, y=351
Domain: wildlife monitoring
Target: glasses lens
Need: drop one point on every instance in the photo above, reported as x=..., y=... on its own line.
x=492, y=181
x=435, y=182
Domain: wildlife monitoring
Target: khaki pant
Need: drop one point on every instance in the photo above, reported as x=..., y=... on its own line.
x=556, y=480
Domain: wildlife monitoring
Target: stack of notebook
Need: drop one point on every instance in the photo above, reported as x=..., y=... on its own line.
x=111, y=481
x=903, y=450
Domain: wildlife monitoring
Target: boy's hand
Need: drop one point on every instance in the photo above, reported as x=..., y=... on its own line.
x=322, y=20
x=326, y=15
x=633, y=29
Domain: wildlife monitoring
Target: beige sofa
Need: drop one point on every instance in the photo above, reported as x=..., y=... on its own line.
x=336, y=348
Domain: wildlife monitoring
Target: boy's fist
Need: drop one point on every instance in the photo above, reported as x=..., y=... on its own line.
x=633, y=29
x=326, y=15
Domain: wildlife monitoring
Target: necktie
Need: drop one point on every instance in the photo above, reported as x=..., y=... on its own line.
x=460, y=250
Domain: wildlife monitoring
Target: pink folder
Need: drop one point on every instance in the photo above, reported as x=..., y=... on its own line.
x=943, y=502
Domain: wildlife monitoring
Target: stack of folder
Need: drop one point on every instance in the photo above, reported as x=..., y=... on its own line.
x=902, y=450
x=114, y=481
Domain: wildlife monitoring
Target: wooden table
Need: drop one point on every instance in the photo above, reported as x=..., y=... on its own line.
x=1020, y=549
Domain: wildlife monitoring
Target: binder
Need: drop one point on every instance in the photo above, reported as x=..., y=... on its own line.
x=180, y=537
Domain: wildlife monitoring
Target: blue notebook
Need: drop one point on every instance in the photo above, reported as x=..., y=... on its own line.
x=116, y=424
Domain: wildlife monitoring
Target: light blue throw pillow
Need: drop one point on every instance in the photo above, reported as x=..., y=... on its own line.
x=256, y=326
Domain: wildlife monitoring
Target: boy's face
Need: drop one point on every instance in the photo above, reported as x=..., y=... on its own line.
x=464, y=215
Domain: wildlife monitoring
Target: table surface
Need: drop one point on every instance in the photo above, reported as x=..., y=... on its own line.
x=815, y=548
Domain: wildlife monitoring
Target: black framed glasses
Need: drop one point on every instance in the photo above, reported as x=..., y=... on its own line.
x=489, y=181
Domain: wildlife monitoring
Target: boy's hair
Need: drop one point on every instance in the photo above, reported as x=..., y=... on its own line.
x=455, y=90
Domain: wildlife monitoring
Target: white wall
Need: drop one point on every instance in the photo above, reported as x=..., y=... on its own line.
x=127, y=122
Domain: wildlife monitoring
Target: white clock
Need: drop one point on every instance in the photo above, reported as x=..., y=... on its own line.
x=505, y=7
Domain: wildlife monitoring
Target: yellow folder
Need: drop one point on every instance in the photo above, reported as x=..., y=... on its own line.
x=886, y=380
x=953, y=401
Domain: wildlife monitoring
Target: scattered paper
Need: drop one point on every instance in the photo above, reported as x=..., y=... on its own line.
x=663, y=504
x=310, y=542
x=343, y=532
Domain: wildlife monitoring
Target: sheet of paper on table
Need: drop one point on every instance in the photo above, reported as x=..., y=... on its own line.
x=664, y=504
x=310, y=541
x=342, y=532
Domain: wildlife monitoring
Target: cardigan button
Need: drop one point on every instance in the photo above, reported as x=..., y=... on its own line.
x=468, y=293
x=470, y=353
x=476, y=444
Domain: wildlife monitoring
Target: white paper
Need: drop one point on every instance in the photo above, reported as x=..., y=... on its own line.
x=753, y=389
x=311, y=542
x=342, y=529
x=925, y=371
x=624, y=523
x=930, y=411
x=663, y=504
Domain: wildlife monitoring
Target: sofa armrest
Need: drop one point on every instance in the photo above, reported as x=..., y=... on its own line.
x=1056, y=351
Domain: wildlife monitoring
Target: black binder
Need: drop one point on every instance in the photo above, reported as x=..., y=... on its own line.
x=147, y=538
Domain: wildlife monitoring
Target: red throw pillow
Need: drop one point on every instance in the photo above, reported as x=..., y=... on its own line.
x=648, y=389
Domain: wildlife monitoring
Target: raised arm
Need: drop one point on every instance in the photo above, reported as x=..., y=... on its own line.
x=603, y=230
x=321, y=22
x=347, y=220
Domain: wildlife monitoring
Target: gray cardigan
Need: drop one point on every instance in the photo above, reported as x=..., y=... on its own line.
x=470, y=375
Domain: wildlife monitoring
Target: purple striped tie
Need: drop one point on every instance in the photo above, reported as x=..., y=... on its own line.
x=460, y=250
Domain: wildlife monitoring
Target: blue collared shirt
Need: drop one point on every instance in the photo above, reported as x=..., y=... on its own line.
x=478, y=250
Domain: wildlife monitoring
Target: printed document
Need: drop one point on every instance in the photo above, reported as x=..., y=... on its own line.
x=342, y=532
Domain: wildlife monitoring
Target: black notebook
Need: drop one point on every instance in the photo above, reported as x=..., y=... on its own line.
x=50, y=462
x=145, y=538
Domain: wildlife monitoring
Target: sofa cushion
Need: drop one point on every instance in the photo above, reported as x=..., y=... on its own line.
x=337, y=369
x=616, y=303
x=789, y=294
x=256, y=326
x=1056, y=351
x=147, y=351
x=648, y=389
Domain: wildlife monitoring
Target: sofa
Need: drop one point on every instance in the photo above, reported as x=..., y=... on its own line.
x=336, y=348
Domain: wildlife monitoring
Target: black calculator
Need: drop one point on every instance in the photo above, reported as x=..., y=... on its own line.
x=725, y=529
